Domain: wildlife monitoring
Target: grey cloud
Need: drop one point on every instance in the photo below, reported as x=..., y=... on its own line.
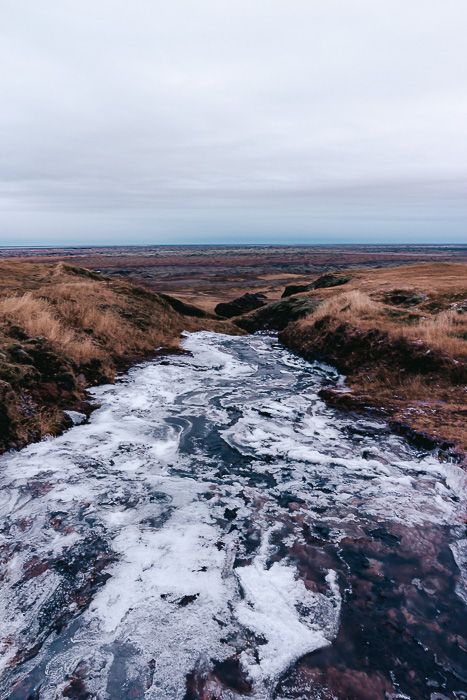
x=205, y=120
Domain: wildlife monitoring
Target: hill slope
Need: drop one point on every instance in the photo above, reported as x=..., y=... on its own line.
x=400, y=336
x=64, y=328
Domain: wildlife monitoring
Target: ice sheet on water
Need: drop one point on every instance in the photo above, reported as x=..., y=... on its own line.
x=142, y=512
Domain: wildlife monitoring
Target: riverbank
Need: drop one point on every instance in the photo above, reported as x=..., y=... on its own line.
x=400, y=337
x=207, y=275
x=398, y=334
x=216, y=531
x=64, y=329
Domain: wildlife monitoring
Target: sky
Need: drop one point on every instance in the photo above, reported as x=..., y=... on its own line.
x=233, y=121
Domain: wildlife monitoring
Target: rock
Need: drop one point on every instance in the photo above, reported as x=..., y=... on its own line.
x=7, y=412
x=328, y=280
x=405, y=297
x=242, y=305
x=17, y=374
x=294, y=289
x=276, y=316
x=20, y=355
x=323, y=282
x=76, y=417
x=184, y=308
x=66, y=380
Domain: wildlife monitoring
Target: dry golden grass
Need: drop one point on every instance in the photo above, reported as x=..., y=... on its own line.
x=62, y=328
x=383, y=346
x=445, y=331
x=90, y=318
x=37, y=318
x=345, y=306
x=47, y=422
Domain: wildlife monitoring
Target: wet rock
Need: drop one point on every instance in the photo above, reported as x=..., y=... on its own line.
x=344, y=400
x=211, y=683
x=76, y=417
x=231, y=675
x=230, y=513
x=425, y=441
x=187, y=599
x=242, y=305
x=363, y=429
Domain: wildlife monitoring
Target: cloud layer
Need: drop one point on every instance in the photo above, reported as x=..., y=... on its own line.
x=231, y=120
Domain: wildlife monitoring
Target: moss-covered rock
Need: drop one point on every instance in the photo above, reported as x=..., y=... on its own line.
x=242, y=305
x=323, y=282
x=276, y=316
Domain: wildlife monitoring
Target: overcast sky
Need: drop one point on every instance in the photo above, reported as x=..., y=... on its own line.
x=198, y=121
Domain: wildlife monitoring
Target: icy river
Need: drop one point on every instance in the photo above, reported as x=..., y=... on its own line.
x=215, y=531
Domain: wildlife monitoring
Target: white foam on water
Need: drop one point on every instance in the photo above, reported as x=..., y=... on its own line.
x=290, y=620
x=161, y=507
x=459, y=550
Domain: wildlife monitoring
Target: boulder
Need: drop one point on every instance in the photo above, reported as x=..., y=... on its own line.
x=277, y=315
x=323, y=282
x=242, y=305
x=328, y=280
x=294, y=289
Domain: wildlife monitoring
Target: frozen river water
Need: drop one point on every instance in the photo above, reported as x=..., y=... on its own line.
x=216, y=532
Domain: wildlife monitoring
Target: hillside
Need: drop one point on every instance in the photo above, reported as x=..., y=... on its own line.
x=63, y=329
x=400, y=336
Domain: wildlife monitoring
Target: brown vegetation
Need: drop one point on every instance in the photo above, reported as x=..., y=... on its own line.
x=400, y=336
x=208, y=275
x=64, y=328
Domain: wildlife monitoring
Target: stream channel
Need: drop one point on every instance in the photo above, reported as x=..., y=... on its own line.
x=215, y=531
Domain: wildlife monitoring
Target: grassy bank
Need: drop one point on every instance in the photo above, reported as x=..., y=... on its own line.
x=63, y=329
x=400, y=336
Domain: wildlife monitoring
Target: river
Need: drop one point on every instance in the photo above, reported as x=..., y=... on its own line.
x=215, y=531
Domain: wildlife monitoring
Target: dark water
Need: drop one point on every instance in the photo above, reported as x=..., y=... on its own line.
x=217, y=532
